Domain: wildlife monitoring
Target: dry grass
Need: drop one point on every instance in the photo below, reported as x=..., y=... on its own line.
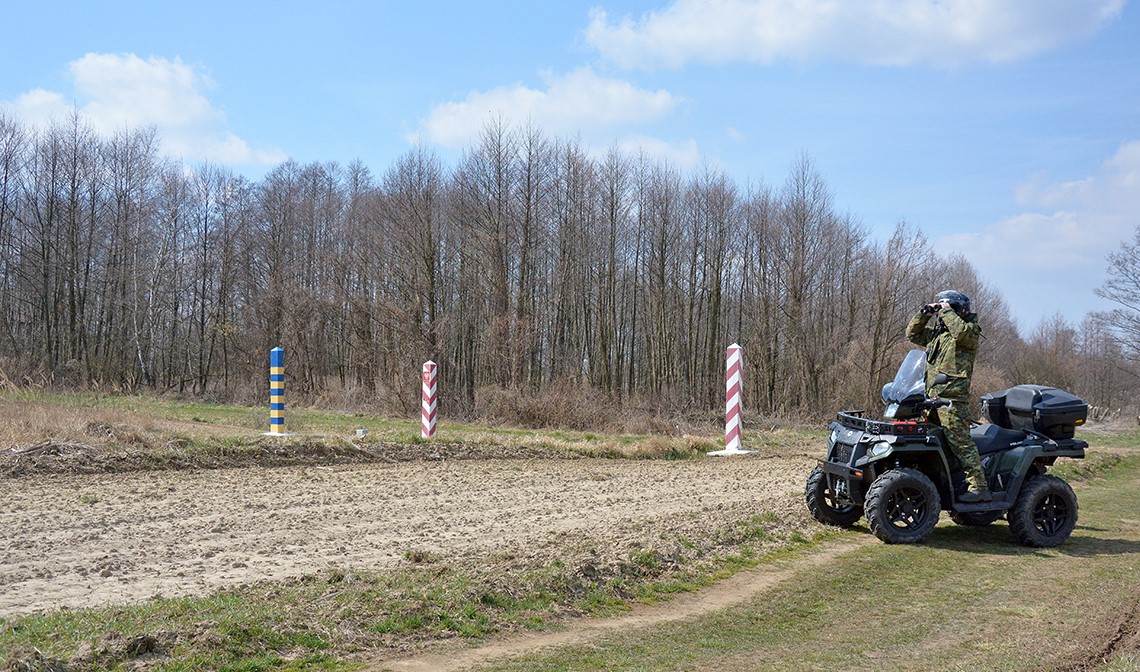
x=30, y=423
x=87, y=433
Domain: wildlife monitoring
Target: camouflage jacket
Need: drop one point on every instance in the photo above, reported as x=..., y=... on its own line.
x=951, y=344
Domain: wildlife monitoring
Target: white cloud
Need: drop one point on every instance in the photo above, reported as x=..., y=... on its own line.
x=580, y=101
x=941, y=33
x=1051, y=257
x=116, y=91
x=39, y=105
x=123, y=89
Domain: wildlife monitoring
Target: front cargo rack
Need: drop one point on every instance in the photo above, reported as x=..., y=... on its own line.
x=855, y=420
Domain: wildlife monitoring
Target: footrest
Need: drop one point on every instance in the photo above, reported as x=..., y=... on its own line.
x=997, y=504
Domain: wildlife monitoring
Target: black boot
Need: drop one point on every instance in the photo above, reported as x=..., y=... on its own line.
x=975, y=497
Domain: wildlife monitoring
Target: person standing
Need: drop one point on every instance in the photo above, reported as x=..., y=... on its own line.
x=951, y=344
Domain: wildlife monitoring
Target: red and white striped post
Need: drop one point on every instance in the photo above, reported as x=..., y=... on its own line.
x=733, y=383
x=429, y=400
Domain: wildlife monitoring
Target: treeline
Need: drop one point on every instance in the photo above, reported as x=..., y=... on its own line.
x=530, y=268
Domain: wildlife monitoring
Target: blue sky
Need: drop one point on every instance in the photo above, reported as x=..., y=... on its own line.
x=1009, y=130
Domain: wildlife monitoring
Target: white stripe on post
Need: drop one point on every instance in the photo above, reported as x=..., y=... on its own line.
x=732, y=399
x=429, y=399
x=733, y=383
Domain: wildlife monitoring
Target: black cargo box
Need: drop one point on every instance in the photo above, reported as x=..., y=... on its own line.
x=1046, y=410
x=993, y=408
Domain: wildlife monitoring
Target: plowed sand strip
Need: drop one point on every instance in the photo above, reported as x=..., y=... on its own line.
x=88, y=541
x=735, y=590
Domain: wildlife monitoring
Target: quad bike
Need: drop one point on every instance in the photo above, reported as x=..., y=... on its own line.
x=900, y=474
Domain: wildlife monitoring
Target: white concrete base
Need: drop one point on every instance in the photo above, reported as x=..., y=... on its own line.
x=730, y=451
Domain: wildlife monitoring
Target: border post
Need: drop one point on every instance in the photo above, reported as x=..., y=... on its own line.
x=733, y=382
x=429, y=399
x=277, y=391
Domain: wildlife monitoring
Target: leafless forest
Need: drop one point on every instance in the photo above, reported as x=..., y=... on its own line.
x=532, y=269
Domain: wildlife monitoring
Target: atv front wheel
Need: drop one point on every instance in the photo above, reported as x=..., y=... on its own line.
x=824, y=506
x=903, y=506
x=1045, y=512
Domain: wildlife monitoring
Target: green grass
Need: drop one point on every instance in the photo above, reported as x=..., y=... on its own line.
x=230, y=630
x=1108, y=449
x=317, y=422
x=1120, y=437
x=970, y=599
x=217, y=435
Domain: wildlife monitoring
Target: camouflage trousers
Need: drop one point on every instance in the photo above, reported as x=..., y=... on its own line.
x=955, y=422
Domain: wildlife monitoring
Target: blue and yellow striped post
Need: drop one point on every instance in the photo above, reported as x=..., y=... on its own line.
x=277, y=391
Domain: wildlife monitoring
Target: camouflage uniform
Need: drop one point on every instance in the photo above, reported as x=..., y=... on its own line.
x=951, y=344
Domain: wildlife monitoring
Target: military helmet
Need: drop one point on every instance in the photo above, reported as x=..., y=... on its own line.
x=957, y=300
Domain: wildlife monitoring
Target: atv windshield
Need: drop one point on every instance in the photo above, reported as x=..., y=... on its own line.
x=910, y=381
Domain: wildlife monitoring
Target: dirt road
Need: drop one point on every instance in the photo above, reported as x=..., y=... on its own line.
x=81, y=541
x=729, y=592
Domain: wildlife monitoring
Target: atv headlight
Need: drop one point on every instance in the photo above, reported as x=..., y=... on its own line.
x=880, y=449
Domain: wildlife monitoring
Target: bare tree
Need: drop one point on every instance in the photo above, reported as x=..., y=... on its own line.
x=13, y=152
x=1123, y=289
x=1050, y=356
x=897, y=286
x=530, y=263
x=613, y=290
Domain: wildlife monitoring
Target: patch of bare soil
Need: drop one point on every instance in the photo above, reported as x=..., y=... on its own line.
x=54, y=456
x=82, y=540
x=1105, y=641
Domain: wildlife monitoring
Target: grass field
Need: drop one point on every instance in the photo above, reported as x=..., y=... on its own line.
x=969, y=599
x=162, y=427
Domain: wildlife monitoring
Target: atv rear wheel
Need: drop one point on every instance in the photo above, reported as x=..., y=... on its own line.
x=1045, y=512
x=824, y=506
x=975, y=518
x=903, y=506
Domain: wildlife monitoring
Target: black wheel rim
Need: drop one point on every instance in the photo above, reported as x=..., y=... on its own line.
x=907, y=508
x=1051, y=514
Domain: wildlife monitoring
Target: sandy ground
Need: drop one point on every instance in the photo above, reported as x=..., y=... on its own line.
x=81, y=541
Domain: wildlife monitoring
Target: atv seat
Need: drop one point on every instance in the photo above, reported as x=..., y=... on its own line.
x=990, y=438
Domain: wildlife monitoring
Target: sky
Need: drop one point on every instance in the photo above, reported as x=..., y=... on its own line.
x=1007, y=130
